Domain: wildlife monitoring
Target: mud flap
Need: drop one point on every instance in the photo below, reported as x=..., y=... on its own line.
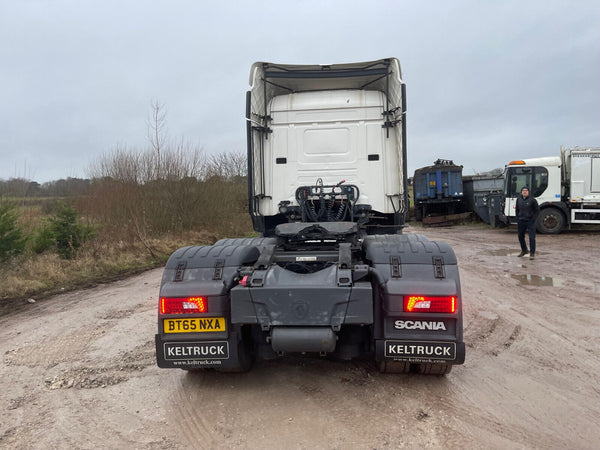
x=430, y=352
x=229, y=354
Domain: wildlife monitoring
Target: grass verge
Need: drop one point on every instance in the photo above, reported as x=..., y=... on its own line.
x=97, y=262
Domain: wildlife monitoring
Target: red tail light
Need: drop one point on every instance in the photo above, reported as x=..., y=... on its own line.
x=183, y=305
x=424, y=304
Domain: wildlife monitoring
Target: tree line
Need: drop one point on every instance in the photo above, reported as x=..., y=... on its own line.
x=22, y=187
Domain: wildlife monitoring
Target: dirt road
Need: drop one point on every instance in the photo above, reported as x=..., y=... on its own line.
x=78, y=369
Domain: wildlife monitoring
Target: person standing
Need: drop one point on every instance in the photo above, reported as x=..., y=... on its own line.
x=527, y=210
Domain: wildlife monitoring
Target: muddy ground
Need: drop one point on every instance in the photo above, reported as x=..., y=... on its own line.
x=78, y=369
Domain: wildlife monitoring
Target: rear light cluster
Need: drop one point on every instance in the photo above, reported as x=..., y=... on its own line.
x=424, y=304
x=183, y=305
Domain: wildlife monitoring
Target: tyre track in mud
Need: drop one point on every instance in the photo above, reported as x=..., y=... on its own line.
x=325, y=400
x=553, y=347
x=82, y=372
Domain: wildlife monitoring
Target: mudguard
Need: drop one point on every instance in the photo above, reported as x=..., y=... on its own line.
x=206, y=271
x=409, y=265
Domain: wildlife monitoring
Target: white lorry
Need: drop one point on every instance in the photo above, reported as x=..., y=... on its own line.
x=567, y=188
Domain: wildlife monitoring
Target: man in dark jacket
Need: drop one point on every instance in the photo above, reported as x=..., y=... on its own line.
x=527, y=211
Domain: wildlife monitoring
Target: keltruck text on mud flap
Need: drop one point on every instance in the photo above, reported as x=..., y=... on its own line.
x=332, y=274
x=567, y=188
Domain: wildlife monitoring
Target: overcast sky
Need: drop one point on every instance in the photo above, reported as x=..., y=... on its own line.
x=487, y=81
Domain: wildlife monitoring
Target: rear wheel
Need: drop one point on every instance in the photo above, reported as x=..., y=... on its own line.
x=550, y=221
x=246, y=361
x=244, y=354
x=434, y=369
x=418, y=213
x=394, y=367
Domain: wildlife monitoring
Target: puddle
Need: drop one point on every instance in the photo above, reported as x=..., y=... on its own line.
x=537, y=280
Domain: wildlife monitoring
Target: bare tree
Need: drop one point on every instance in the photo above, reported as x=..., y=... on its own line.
x=157, y=133
x=229, y=166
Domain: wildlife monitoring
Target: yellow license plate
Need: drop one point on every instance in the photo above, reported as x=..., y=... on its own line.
x=194, y=325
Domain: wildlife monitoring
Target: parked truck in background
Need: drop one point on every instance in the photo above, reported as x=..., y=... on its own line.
x=438, y=190
x=331, y=273
x=566, y=187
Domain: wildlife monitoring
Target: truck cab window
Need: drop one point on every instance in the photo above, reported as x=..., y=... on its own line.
x=536, y=178
x=540, y=181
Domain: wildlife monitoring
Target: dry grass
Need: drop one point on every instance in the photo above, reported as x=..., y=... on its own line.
x=112, y=254
x=29, y=217
x=98, y=261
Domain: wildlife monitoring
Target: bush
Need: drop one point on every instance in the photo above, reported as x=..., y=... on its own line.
x=50, y=206
x=12, y=241
x=138, y=196
x=66, y=232
x=43, y=239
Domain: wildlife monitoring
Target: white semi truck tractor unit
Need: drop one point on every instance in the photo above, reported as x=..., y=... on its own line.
x=331, y=274
x=566, y=187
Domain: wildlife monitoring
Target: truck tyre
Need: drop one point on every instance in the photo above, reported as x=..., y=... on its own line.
x=245, y=359
x=244, y=355
x=435, y=369
x=418, y=214
x=394, y=367
x=550, y=221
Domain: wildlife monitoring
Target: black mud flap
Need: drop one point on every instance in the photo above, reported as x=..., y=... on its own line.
x=431, y=352
x=215, y=354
